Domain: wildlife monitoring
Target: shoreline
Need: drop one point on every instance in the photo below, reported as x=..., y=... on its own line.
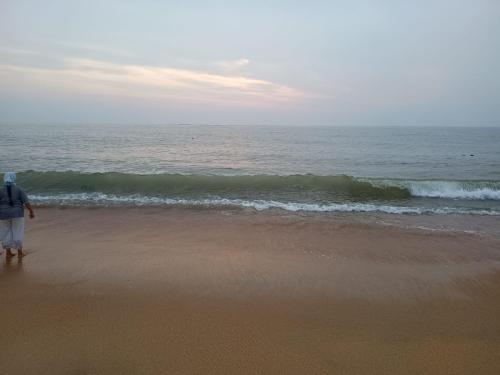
x=152, y=290
x=487, y=225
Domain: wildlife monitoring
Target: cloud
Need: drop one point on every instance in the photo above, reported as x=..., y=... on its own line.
x=232, y=64
x=95, y=77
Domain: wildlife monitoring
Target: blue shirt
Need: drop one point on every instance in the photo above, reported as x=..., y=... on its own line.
x=19, y=199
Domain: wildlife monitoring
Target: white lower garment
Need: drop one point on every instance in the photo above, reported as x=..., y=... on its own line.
x=12, y=233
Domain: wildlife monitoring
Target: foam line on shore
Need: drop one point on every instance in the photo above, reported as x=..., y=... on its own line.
x=101, y=199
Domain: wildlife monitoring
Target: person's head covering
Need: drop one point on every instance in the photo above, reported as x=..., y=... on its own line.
x=9, y=178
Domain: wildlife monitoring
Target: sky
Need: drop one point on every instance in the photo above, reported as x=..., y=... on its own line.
x=343, y=63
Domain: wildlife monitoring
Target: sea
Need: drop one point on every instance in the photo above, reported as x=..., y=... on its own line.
x=398, y=170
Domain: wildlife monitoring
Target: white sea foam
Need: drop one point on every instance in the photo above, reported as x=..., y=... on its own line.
x=471, y=190
x=100, y=199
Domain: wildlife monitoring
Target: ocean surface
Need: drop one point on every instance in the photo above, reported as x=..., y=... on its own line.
x=402, y=170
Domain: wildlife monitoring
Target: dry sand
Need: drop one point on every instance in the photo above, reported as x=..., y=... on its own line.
x=186, y=291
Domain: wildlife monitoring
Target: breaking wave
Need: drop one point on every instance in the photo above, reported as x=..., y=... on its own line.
x=340, y=186
x=323, y=187
x=472, y=190
x=292, y=193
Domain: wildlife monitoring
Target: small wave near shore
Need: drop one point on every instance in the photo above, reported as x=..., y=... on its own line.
x=311, y=193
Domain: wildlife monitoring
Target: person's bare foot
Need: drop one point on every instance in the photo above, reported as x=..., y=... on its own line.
x=21, y=253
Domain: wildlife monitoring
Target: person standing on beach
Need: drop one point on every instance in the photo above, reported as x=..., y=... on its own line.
x=13, y=199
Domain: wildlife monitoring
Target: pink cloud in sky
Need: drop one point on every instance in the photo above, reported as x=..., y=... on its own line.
x=89, y=76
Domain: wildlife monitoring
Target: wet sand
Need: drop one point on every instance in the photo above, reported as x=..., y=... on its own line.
x=197, y=291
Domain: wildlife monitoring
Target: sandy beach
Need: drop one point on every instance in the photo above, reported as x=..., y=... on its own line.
x=205, y=291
